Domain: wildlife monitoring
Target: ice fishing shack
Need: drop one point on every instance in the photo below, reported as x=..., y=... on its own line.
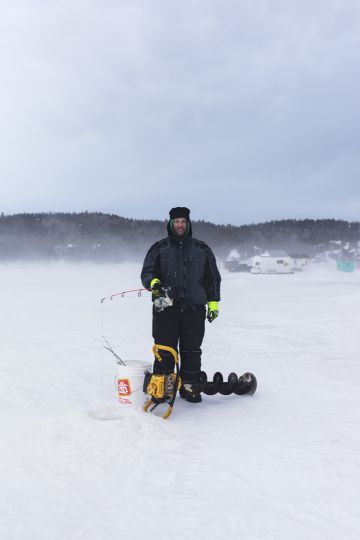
x=273, y=261
x=346, y=265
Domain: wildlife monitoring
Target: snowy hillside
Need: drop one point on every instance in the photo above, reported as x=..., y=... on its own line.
x=283, y=464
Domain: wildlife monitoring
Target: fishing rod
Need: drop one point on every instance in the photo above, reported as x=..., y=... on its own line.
x=109, y=348
x=160, y=302
x=122, y=294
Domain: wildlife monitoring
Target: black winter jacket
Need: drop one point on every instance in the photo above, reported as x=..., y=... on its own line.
x=187, y=266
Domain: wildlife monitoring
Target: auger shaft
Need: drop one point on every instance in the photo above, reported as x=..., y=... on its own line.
x=245, y=384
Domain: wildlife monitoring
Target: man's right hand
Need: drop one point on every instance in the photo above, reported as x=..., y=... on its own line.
x=156, y=287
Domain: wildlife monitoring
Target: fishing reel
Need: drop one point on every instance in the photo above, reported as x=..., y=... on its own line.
x=162, y=302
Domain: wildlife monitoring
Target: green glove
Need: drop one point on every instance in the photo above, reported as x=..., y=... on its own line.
x=156, y=287
x=213, y=310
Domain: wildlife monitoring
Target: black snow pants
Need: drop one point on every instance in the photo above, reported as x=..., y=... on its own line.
x=183, y=326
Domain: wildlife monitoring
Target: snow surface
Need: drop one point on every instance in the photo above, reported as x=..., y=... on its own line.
x=283, y=464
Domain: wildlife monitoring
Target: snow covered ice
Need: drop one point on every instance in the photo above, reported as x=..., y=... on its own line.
x=283, y=464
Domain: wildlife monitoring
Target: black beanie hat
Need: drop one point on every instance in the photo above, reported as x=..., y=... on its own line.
x=180, y=212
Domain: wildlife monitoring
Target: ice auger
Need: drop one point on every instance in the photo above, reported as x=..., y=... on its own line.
x=245, y=384
x=162, y=388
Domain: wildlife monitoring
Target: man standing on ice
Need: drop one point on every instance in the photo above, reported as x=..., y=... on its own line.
x=185, y=269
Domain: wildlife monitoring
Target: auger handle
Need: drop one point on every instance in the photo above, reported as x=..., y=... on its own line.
x=156, y=348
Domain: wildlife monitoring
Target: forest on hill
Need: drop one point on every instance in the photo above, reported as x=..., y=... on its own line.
x=100, y=237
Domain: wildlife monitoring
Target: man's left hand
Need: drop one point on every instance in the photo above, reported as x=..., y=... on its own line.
x=213, y=311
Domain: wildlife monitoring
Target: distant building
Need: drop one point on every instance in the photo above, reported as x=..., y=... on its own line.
x=234, y=263
x=273, y=261
x=299, y=261
x=346, y=265
x=236, y=266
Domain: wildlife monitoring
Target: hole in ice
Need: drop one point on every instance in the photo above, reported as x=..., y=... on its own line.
x=106, y=413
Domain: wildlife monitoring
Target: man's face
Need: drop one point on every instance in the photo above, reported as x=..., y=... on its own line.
x=179, y=226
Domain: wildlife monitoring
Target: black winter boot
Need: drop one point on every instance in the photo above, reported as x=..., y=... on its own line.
x=186, y=393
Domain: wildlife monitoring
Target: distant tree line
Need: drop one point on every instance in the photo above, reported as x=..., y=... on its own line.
x=95, y=236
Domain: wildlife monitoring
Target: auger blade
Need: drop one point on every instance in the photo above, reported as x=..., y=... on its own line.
x=247, y=385
x=211, y=388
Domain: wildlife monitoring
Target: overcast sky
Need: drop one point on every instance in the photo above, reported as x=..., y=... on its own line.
x=243, y=110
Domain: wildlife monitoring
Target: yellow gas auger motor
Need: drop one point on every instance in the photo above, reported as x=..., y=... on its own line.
x=162, y=388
